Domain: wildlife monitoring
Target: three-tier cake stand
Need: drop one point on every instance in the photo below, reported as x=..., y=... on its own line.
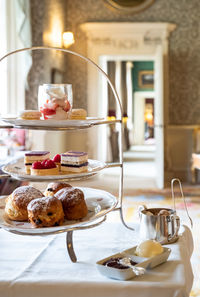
x=99, y=215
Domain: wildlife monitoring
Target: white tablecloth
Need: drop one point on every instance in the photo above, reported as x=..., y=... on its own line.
x=40, y=266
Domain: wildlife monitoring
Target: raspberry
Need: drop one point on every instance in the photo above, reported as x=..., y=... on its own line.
x=49, y=164
x=37, y=165
x=57, y=158
x=44, y=164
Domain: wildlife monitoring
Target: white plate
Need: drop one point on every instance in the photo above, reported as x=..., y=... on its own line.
x=99, y=203
x=125, y=274
x=17, y=171
x=89, y=121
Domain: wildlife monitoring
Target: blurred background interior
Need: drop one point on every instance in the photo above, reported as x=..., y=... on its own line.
x=150, y=52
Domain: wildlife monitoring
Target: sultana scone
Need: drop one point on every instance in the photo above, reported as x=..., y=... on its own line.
x=16, y=203
x=45, y=212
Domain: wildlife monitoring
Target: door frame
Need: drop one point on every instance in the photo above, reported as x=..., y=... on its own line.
x=123, y=39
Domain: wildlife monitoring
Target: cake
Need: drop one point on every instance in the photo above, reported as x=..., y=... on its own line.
x=78, y=114
x=73, y=202
x=33, y=156
x=30, y=115
x=46, y=167
x=16, y=203
x=45, y=212
x=74, y=161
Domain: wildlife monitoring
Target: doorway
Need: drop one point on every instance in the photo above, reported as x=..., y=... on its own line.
x=138, y=99
x=129, y=41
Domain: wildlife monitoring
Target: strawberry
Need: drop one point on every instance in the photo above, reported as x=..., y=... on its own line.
x=47, y=111
x=57, y=158
x=37, y=165
x=67, y=106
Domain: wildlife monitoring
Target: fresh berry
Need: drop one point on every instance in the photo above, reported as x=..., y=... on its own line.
x=48, y=111
x=57, y=158
x=44, y=163
x=67, y=106
x=49, y=164
x=37, y=165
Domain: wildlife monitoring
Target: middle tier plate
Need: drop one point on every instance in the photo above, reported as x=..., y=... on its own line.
x=17, y=170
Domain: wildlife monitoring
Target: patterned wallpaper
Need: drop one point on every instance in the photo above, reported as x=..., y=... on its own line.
x=184, y=54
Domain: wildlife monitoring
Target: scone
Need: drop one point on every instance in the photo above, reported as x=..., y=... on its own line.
x=46, y=167
x=54, y=187
x=45, y=212
x=73, y=202
x=16, y=203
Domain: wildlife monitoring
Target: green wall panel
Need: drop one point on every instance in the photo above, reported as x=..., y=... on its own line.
x=141, y=66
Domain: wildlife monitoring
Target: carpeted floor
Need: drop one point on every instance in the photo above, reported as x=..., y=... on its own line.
x=162, y=198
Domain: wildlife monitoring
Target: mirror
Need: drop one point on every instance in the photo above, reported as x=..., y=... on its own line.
x=132, y=6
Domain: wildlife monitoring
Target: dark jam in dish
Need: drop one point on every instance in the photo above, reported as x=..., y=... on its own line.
x=115, y=263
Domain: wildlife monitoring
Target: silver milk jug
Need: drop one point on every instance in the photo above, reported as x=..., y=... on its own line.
x=161, y=224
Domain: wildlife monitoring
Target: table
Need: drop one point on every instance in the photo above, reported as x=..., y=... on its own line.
x=40, y=266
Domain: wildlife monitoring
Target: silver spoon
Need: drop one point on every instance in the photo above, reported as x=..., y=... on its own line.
x=127, y=262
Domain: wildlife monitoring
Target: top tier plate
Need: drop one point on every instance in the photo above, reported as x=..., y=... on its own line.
x=55, y=124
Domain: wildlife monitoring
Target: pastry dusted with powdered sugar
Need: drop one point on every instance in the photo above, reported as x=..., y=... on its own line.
x=16, y=203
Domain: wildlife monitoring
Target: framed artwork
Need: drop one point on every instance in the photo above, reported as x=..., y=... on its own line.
x=146, y=79
x=56, y=76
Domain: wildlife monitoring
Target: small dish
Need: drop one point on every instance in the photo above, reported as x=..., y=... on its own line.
x=128, y=273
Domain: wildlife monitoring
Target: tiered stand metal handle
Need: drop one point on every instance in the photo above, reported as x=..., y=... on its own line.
x=69, y=239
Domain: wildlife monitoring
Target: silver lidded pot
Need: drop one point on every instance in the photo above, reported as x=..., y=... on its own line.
x=161, y=224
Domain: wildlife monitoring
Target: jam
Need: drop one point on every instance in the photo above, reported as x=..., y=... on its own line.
x=115, y=263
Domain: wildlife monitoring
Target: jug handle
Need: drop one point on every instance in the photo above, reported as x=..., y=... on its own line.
x=175, y=235
x=173, y=197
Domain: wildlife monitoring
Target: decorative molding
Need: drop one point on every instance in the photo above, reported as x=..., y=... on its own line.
x=115, y=42
x=124, y=35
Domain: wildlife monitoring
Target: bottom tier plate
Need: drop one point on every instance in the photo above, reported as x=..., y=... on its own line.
x=99, y=203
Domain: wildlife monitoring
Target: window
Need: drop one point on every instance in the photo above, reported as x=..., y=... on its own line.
x=15, y=34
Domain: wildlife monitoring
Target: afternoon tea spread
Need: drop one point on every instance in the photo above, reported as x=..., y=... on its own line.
x=62, y=206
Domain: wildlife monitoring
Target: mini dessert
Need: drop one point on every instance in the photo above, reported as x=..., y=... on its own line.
x=30, y=115
x=149, y=248
x=46, y=167
x=16, y=203
x=78, y=114
x=32, y=156
x=73, y=203
x=53, y=188
x=74, y=161
x=57, y=160
x=45, y=212
x=55, y=101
